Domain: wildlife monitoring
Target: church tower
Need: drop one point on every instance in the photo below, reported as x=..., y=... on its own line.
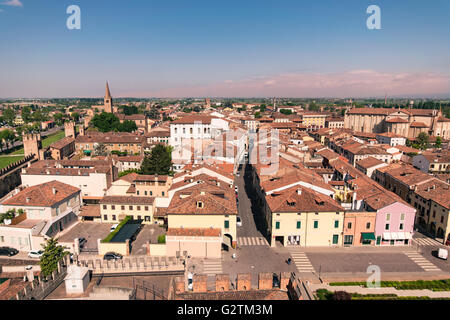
x=108, y=100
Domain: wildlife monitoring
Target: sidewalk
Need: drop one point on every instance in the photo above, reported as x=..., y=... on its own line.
x=400, y=293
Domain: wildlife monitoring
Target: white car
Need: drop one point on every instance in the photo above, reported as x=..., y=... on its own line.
x=35, y=254
x=113, y=227
x=238, y=221
x=236, y=189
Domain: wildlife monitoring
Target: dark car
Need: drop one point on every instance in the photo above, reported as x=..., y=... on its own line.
x=112, y=256
x=6, y=251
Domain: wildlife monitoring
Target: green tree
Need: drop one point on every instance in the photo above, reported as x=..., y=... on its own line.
x=75, y=116
x=438, y=143
x=257, y=115
x=53, y=253
x=58, y=118
x=423, y=140
x=100, y=150
x=129, y=110
x=8, y=136
x=9, y=115
x=105, y=122
x=26, y=114
x=153, y=113
x=262, y=107
x=159, y=161
x=127, y=126
x=286, y=111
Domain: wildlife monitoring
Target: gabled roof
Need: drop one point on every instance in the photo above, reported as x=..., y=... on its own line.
x=42, y=195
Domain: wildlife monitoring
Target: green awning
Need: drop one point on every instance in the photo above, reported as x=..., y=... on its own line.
x=87, y=151
x=368, y=235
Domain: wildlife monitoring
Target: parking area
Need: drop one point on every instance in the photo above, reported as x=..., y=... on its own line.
x=149, y=232
x=91, y=231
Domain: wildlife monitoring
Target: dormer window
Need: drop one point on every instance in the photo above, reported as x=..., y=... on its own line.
x=199, y=204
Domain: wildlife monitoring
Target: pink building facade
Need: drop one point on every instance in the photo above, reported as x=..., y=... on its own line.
x=394, y=224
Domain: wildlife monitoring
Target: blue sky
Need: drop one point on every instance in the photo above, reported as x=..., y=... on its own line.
x=211, y=48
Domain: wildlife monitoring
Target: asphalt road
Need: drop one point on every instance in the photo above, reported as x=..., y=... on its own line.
x=247, y=211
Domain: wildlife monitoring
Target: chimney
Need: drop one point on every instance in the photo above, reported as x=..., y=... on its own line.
x=28, y=199
x=299, y=191
x=54, y=190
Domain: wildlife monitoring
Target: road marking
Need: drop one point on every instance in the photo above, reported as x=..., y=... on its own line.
x=427, y=242
x=421, y=261
x=212, y=267
x=301, y=260
x=252, y=241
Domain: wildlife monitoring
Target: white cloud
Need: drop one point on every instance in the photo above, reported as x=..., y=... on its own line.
x=13, y=3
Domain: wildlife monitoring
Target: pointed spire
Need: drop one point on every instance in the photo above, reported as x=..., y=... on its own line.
x=107, y=93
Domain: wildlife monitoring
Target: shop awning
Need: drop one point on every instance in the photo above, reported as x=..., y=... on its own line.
x=407, y=235
x=368, y=235
x=387, y=236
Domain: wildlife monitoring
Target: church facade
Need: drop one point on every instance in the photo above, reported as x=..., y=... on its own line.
x=405, y=122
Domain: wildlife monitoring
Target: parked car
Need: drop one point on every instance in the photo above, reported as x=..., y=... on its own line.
x=82, y=241
x=236, y=189
x=35, y=254
x=238, y=221
x=7, y=251
x=113, y=227
x=112, y=256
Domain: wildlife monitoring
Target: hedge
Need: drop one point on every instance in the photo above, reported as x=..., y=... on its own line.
x=112, y=234
x=435, y=285
x=324, y=294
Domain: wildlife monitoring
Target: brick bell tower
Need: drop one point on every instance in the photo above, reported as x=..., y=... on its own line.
x=108, y=100
x=69, y=129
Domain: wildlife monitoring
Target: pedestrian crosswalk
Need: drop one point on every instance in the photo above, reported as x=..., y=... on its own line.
x=301, y=261
x=421, y=261
x=252, y=241
x=212, y=266
x=426, y=242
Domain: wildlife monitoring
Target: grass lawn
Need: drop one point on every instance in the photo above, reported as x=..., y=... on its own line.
x=324, y=294
x=52, y=138
x=435, y=285
x=5, y=161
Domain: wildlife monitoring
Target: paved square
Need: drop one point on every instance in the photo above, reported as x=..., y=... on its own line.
x=358, y=262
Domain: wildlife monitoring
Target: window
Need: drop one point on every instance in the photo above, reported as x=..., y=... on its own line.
x=386, y=227
x=104, y=207
x=151, y=193
x=277, y=225
x=402, y=217
x=114, y=217
x=162, y=193
x=138, y=208
x=146, y=208
x=349, y=225
x=199, y=204
x=2, y=239
x=113, y=207
x=145, y=192
x=122, y=207
x=227, y=224
x=368, y=225
x=139, y=217
x=335, y=239
x=130, y=207
x=105, y=217
x=191, y=131
x=137, y=192
x=299, y=224
x=401, y=226
x=316, y=224
x=348, y=239
x=336, y=224
x=388, y=217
